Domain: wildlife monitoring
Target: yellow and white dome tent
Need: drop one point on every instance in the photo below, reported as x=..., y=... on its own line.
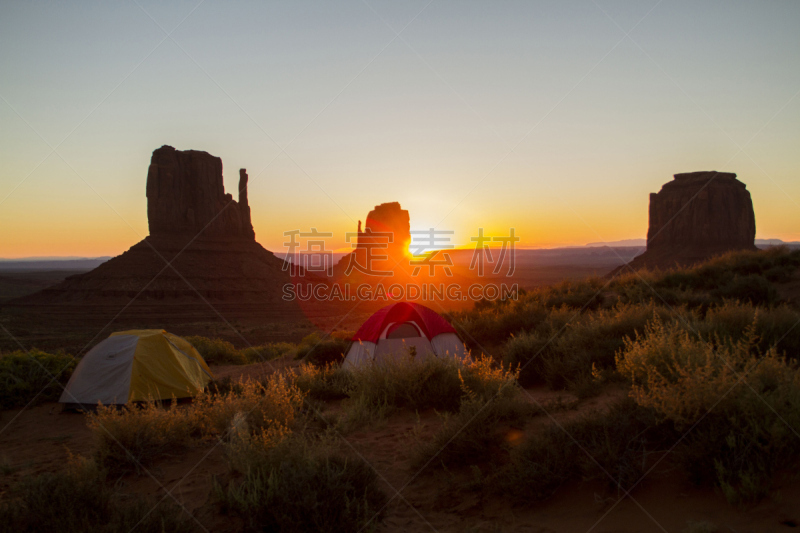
x=137, y=365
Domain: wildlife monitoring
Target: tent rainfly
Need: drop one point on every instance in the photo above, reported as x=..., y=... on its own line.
x=137, y=365
x=403, y=328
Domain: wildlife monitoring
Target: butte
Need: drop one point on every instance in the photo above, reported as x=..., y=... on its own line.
x=200, y=263
x=694, y=217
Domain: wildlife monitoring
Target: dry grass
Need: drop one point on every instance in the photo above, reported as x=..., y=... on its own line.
x=402, y=382
x=298, y=485
x=275, y=401
x=134, y=436
x=78, y=499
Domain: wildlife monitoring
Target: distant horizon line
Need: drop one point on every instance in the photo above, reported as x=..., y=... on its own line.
x=622, y=243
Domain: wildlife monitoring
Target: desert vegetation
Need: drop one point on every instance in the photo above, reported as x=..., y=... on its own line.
x=704, y=362
x=79, y=499
x=221, y=352
x=314, y=348
x=709, y=355
x=33, y=377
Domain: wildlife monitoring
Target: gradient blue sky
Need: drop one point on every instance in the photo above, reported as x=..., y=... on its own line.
x=541, y=116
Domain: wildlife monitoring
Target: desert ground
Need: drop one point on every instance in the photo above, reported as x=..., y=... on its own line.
x=40, y=439
x=615, y=478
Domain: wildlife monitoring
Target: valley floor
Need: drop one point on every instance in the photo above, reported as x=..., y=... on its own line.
x=40, y=439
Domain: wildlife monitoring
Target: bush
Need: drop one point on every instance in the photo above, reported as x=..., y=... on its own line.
x=741, y=403
x=329, y=382
x=745, y=276
x=131, y=437
x=473, y=435
x=297, y=486
x=563, y=350
x=266, y=405
x=217, y=351
x=221, y=352
x=612, y=447
x=134, y=436
x=321, y=351
x=404, y=382
x=753, y=288
x=495, y=322
x=267, y=352
x=777, y=327
x=78, y=500
x=33, y=376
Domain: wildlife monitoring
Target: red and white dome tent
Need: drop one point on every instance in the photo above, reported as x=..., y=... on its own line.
x=403, y=328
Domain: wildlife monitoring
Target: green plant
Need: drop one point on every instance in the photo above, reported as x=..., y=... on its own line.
x=33, y=376
x=406, y=382
x=475, y=433
x=301, y=486
x=77, y=500
x=267, y=352
x=741, y=404
x=613, y=446
x=563, y=349
x=217, y=351
x=322, y=350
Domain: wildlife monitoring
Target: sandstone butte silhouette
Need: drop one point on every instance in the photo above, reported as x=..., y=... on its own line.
x=694, y=217
x=218, y=269
x=386, y=233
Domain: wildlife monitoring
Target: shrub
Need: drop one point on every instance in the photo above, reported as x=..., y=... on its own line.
x=745, y=276
x=132, y=437
x=217, y=351
x=263, y=405
x=248, y=450
x=221, y=352
x=753, y=288
x=612, y=447
x=742, y=405
x=33, y=376
x=404, y=382
x=495, y=322
x=473, y=435
x=329, y=382
x=267, y=352
x=563, y=350
x=321, y=351
x=777, y=327
x=298, y=486
x=77, y=500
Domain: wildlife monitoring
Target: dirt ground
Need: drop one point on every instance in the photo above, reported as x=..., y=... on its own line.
x=40, y=439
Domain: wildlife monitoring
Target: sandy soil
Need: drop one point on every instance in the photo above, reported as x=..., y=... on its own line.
x=39, y=440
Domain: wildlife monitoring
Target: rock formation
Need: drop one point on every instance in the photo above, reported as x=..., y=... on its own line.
x=386, y=233
x=200, y=263
x=696, y=216
x=186, y=195
x=387, y=219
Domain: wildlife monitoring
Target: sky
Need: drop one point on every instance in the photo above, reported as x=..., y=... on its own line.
x=557, y=119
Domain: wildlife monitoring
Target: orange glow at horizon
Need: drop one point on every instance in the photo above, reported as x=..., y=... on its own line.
x=110, y=236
